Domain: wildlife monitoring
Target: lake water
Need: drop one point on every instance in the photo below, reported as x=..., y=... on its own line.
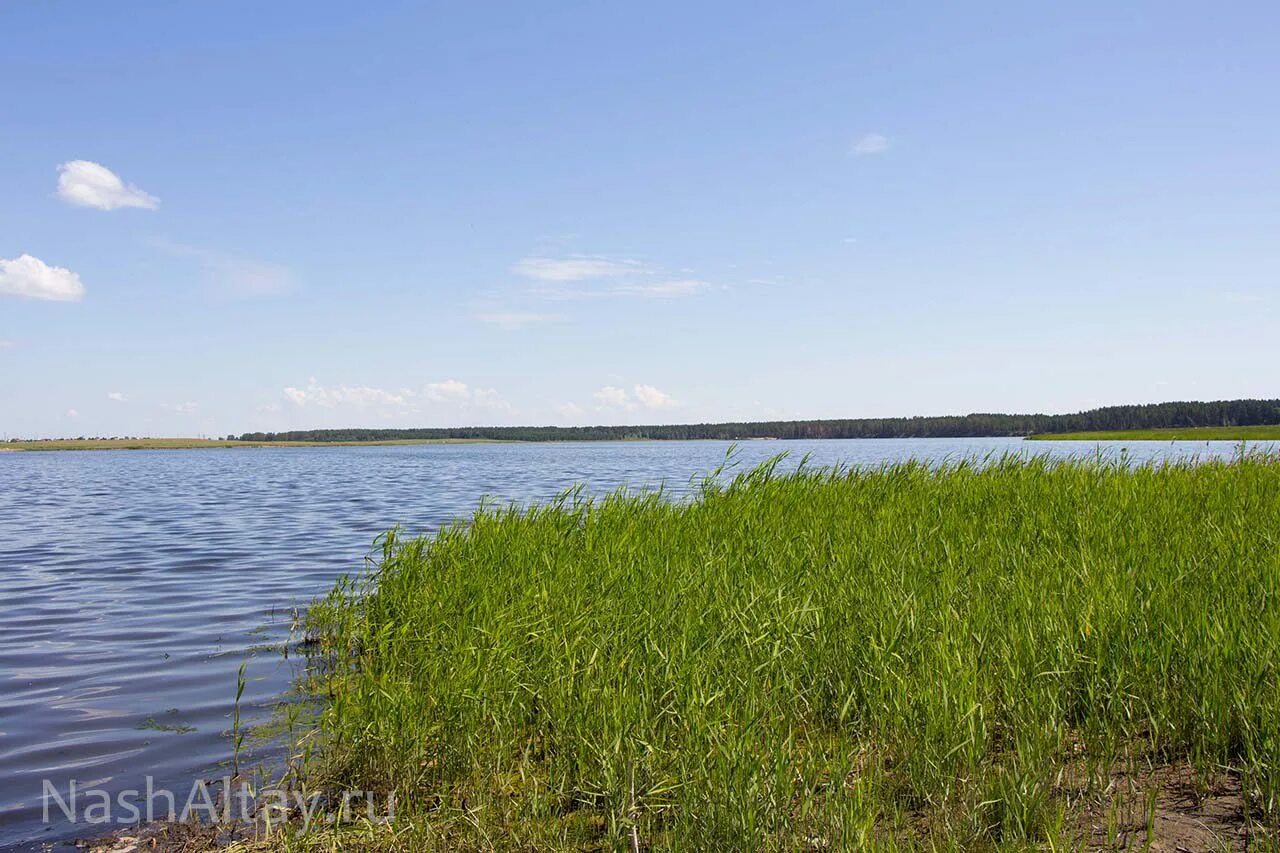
x=133, y=584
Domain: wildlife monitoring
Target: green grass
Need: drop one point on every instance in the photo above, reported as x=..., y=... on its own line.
x=953, y=658
x=197, y=443
x=1241, y=433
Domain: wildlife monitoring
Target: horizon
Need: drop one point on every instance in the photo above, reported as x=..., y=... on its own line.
x=229, y=219
x=236, y=435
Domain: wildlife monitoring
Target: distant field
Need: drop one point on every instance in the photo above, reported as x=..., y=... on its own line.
x=196, y=443
x=1245, y=433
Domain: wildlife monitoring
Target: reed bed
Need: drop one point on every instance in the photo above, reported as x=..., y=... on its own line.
x=964, y=656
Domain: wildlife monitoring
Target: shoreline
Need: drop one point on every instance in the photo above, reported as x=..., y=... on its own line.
x=1237, y=433
x=1203, y=434
x=71, y=444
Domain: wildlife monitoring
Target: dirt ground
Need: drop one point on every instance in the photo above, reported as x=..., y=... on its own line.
x=1161, y=810
x=1167, y=810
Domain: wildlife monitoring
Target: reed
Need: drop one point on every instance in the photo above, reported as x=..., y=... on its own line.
x=962, y=656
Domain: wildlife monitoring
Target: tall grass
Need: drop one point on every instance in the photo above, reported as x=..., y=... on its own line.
x=903, y=656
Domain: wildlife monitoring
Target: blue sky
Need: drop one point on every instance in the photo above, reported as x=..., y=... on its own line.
x=415, y=214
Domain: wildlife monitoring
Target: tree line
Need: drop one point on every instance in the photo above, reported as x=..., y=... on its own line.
x=1145, y=416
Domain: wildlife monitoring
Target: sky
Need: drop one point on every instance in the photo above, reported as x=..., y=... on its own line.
x=234, y=216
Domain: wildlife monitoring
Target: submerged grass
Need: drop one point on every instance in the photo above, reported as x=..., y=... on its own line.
x=909, y=656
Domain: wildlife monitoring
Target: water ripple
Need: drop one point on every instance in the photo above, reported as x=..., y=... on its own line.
x=136, y=582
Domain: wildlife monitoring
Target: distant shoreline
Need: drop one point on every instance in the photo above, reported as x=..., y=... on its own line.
x=50, y=445
x=1249, y=433
x=1174, y=420
x=1228, y=433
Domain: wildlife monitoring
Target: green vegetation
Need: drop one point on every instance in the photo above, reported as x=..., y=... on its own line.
x=1227, y=433
x=152, y=724
x=997, y=655
x=1152, y=416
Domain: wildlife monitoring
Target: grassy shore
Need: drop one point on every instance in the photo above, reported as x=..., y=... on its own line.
x=197, y=443
x=1016, y=655
x=1243, y=433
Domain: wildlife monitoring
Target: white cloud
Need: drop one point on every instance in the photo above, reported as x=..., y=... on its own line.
x=641, y=396
x=663, y=289
x=237, y=275
x=8, y=344
x=871, y=143
x=360, y=396
x=366, y=396
x=569, y=411
x=594, y=276
x=653, y=398
x=118, y=396
x=448, y=390
x=487, y=398
x=72, y=413
x=576, y=268
x=32, y=278
x=182, y=408
x=512, y=321
x=613, y=397
x=453, y=391
x=88, y=184
x=562, y=294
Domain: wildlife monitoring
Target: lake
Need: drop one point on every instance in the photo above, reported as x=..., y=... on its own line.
x=135, y=583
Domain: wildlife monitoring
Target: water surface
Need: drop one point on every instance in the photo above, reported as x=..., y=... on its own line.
x=134, y=583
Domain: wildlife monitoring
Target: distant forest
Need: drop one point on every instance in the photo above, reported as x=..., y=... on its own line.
x=1148, y=416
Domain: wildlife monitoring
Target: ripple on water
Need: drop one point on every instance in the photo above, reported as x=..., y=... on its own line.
x=135, y=583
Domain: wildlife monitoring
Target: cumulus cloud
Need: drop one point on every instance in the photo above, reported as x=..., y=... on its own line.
x=88, y=184
x=360, y=396
x=449, y=389
x=32, y=278
x=871, y=143
x=513, y=321
x=612, y=397
x=453, y=391
x=652, y=398
x=646, y=396
x=448, y=392
x=117, y=396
